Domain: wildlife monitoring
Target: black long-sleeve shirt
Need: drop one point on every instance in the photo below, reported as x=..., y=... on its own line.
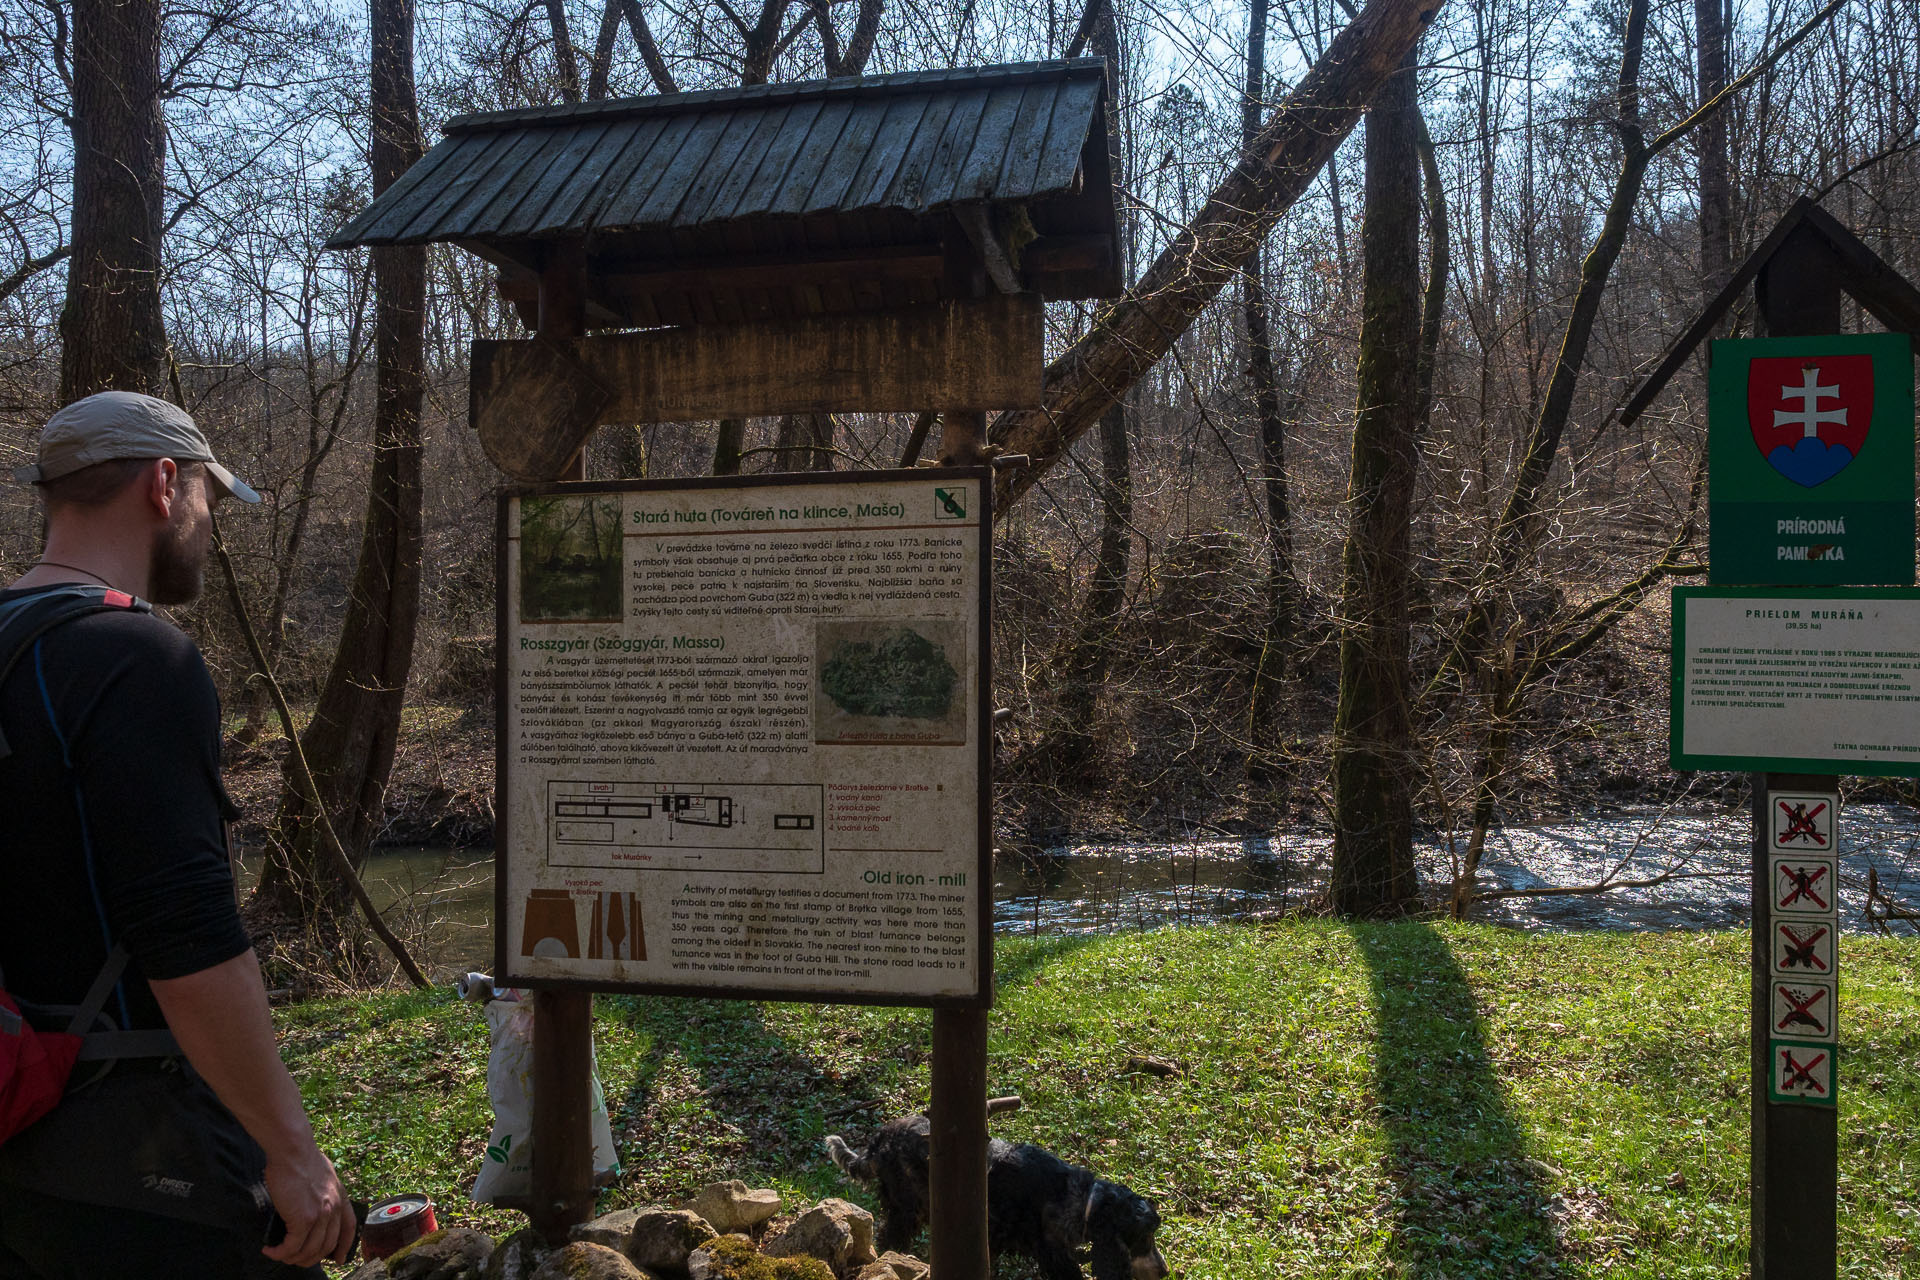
x=112, y=813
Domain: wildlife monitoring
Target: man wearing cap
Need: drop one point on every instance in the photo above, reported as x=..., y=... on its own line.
x=114, y=844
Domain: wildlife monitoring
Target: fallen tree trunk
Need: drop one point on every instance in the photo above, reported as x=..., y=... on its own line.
x=1131, y=336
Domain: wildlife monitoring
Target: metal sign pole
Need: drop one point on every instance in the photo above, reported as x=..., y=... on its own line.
x=1795, y=1144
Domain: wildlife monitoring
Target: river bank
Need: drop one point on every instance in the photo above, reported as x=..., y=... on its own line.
x=441, y=793
x=1341, y=1101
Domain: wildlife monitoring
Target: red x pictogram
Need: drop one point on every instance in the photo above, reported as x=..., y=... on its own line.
x=1799, y=1073
x=1800, y=823
x=1800, y=951
x=1804, y=881
x=1800, y=1013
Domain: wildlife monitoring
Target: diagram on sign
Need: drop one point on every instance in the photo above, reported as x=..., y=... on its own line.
x=1804, y=887
x=1801, y=823
x=1803, y=1009
x=756, y=827
x=1801, y=1073
x=1802, y=948
x=550, y=925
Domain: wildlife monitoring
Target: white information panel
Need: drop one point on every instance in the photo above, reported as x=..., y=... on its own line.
x=742, y=739
x=1797, y=681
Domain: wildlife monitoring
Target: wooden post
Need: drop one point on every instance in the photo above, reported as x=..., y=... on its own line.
x=1795, y=1148
x=957, y=1181
x=563, y=1190
x=957, y=1190
x=963, y=439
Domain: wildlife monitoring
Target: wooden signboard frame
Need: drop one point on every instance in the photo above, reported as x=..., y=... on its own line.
x=563, y=1191
x=509, y=966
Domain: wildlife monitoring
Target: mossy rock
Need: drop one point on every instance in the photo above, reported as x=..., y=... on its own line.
x=735, y=1258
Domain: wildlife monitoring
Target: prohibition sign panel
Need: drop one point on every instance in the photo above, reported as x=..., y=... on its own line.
x=1805, y=887
x=1800, y=1071
x=1805, y=1009
x=1802, y=949
x=1801, y=821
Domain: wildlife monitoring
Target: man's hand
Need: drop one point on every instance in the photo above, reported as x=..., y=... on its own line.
x=309, y=1199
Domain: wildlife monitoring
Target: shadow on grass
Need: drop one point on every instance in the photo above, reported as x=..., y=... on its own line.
x=773, y=1103
x=1015, y=965
x=1467, y=1201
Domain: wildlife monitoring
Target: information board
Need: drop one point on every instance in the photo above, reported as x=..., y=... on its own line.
x=1797, y=680
x=742, y=737
x=1810, y=460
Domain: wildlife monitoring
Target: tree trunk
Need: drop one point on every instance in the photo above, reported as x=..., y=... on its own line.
x=1130, y=337
x=1065, y=751
x=350, y=741
x=805, y=442
x=1282, y=595
x=113, y=336
x=728, y=441
x=1373, y=758
x=1716, y=188
x=565, y=68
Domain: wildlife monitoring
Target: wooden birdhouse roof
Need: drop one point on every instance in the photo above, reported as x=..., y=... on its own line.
x=861, y=193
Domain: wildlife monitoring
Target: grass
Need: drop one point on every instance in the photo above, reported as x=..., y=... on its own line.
x=1394, y=1100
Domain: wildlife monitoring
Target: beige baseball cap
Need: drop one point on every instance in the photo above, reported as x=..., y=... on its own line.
x=124, y=424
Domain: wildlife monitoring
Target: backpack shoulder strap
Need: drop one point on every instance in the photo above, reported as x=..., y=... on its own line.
x=22, y=622
x=25, y=620
x=98, y=1045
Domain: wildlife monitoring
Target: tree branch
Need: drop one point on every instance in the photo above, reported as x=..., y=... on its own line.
x=303, y=775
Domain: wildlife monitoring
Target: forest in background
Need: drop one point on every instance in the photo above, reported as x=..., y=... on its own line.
x=1176, y=620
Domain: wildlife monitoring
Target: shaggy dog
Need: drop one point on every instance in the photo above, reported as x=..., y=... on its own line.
x=1038, y=1205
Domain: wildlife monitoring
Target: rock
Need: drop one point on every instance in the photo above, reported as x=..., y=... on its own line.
x=894, y=1266
x=733, y=1257
x=838, y=1233
x=583, y=1261
x=518, y=1256
x=451, y=1253
x=661, y=1239
x=719, y=1259
x=609, y=1229
x=906, y=1266
x=373, y=1269
x=731, y=1207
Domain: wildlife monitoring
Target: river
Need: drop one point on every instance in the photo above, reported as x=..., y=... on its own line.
x=1099, y=887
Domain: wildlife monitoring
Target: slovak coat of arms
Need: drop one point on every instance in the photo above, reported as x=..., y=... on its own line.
x=1810, y=414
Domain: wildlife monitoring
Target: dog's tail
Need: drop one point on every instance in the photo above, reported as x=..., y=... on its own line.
x=854, y=1164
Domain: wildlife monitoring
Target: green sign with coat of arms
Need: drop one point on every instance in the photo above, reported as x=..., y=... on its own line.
x=1810, y=467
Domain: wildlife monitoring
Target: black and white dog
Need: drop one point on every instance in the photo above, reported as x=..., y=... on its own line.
x=1038, y=1205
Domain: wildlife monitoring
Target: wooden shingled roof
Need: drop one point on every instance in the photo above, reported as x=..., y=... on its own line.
x=854, y=194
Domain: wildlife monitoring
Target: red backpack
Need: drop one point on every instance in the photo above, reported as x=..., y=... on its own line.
x=36, y=1064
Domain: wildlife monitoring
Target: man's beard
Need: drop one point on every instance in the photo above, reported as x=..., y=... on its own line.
x=177, y=568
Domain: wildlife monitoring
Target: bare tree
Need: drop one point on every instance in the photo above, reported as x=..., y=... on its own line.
x=356, y=724
x=112, y=331
x=1375, y=764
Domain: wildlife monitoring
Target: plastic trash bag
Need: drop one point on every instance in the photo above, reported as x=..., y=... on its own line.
x=506, y=1172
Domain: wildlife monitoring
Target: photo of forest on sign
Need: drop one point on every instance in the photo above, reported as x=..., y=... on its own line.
x=570, y=559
